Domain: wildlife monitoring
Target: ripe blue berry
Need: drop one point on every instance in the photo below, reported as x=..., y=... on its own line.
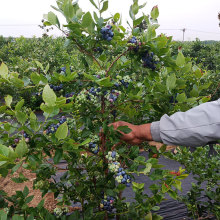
x=107, y=33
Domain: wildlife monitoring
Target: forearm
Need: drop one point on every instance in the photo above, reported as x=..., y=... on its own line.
x=196, y=127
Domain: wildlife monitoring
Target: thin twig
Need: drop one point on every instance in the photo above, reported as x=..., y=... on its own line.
x=81, y=49
x=216, y=90
x=116, y=61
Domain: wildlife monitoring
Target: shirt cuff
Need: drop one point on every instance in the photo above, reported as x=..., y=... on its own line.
x=155, y=131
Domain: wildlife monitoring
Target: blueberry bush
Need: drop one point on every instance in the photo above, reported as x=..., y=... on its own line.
x=202, y=200
x=120, y=75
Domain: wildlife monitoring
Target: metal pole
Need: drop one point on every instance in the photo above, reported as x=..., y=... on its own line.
x=184, y=29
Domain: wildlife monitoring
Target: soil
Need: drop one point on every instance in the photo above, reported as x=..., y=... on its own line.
x=11, y=187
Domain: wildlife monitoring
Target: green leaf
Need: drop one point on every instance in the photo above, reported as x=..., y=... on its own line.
x=25, y=191
x=3, y=215
x=87, y=20
x=131, y=13
x=21, y=148
x=148, y=168
x=47, y=68
x=94, y=4
x=29, y=199
x=4, y=150
x=85, y=142
x=53, y=19
x=156, y=208
x=49, y=96
x=40, y=204
x=39, y=65
x=3, y=71
x=8, y=100
x=93, y=78
x=178, y=185
x=47, y=23
x=154, y=12
x=104, y=7
x=21, y=117
x=33, y=122
x=171, y=81
x=156, y=217
x=194, y=92
x=135, y=8
x=68, y=10
x=148, y=216
x=35, y=77
x=138, y=21
x=172, y=194
x=30, y=217
x=116, y=17
x=79, y=13
x=181, y=97
x=106, y=82
x=124, y=129
x=17, y=82
x=17, y=217
x=62, y=131
x=180, y=60
x=151, y=33
x=142, y=6
x=19, y=105
x=138, y=185
x=58, y=156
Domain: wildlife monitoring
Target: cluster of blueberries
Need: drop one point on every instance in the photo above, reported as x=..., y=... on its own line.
x=125, y=84
x=114, y=113
x=63, y=69
x=107, y=33
x=69, y=95
x=59, y=212
x=133, y=40
x=112, y=156
x=107, y=203
x=53, y=127
x=148, y=60
x=16, y=140
x=56, y=88
x=122, y=177
x=95, y=91
x=38, y=93
x=94, y=147
x=98, y=49
x=124, y=81
x=113, y=96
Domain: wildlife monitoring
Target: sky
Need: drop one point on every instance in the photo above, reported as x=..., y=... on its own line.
x=198, y=17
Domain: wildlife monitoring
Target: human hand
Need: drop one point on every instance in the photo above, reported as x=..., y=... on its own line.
x=138, y=135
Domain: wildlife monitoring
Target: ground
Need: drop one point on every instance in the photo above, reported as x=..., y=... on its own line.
x=11, y=187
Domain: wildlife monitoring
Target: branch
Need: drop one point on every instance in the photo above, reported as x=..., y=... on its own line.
x=216, y=90
x=116, y=61
x=81, y=49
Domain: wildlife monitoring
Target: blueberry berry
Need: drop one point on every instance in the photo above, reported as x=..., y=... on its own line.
x=148, y=60
x=107, y=33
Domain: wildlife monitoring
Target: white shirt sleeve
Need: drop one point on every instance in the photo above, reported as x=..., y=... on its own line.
x=195, y=127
